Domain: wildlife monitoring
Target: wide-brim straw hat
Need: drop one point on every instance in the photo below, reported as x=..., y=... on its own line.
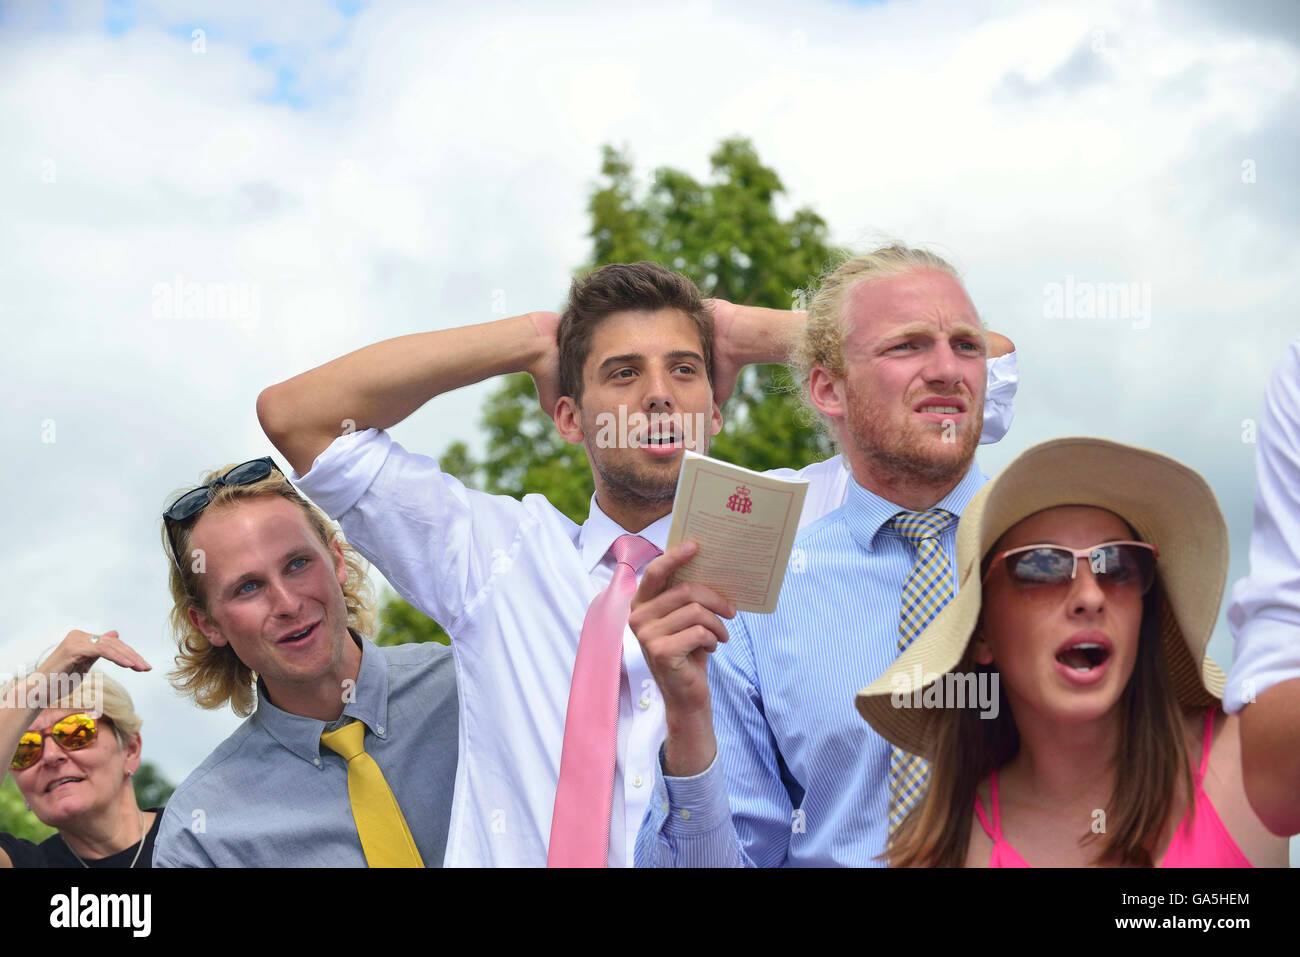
x=1168, y=505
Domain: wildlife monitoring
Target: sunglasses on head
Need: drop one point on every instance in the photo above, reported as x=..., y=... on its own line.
x=71, y=733
x=1127, y=568
x=196, y=500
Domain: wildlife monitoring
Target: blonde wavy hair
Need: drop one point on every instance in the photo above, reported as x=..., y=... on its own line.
x=213, y=675
x=822, y=340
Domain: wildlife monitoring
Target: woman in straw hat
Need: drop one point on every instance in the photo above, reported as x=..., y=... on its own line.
x=1105, y=745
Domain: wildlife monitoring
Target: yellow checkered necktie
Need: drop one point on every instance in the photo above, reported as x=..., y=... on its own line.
x=385, y=838
x=927, y=589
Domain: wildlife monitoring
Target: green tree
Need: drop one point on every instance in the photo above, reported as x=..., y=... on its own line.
x=151, y=788
x=15, y=819
x=728, y=236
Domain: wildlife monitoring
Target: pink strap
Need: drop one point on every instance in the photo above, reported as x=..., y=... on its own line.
x=580, y=821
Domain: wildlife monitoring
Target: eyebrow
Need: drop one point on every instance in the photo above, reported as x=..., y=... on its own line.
x=674, y=356
x=962, y=331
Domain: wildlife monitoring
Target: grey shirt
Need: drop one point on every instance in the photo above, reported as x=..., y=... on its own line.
x=271, y=795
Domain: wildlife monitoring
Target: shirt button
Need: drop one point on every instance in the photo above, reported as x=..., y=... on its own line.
x=379, y=730
x=686, y=815
x=644, y=704
x=664, y=805
x=316, y=761
x=636, y=781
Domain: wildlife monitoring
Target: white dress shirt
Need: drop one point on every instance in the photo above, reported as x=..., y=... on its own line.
x=511, y=582
x=1264, y=613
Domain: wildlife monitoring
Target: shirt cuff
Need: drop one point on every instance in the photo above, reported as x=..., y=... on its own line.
x=1267, y=653
x=999, y=397
x=343, y=472
x=694, y=805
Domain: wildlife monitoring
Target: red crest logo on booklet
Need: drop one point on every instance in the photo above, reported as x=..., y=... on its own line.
x=739, y=501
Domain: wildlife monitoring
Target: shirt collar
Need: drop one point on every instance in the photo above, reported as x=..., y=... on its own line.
x=866, y=512
x=367, y=702
x=599, y=531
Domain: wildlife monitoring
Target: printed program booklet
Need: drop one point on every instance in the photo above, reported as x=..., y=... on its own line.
x=744, y=523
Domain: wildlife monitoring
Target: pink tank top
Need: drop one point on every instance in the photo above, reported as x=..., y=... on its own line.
x=1200, y=841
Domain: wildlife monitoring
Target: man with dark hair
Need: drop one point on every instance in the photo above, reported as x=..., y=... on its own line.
x=560, y=717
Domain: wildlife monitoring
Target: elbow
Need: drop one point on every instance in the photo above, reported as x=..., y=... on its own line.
x=999, y=345
x=1279, y=812
x=272, y=415
x=1270, y=757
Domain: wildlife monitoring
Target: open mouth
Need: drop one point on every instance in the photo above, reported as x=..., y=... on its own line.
x=59, y=782
x=299, y=635
x=661, y=441
x=941, y=405
x=1084, y=656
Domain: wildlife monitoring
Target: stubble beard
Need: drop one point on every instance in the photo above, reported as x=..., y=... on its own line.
x=918, y=455
x=635, y=485
x=632, y=487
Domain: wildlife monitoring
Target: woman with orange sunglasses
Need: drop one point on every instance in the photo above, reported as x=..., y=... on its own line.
x=74, y=743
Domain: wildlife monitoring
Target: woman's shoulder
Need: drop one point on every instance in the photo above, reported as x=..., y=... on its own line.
x=51, y=852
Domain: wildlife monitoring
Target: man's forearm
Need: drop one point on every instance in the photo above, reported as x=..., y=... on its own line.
x=1270, y=756
x=765, y=335
x=759, y=335
x=380, y=385
x=690, y=745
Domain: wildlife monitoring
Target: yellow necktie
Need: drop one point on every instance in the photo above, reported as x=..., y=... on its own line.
x=385, y=838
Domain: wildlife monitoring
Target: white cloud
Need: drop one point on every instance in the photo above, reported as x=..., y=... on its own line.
x=445, y=153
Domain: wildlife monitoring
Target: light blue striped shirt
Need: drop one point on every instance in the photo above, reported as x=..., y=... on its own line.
x=800, y=779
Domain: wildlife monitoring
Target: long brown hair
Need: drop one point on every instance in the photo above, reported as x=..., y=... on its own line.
x=1152, y=765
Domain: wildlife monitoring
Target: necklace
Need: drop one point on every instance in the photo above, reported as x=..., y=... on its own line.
x=143, y=834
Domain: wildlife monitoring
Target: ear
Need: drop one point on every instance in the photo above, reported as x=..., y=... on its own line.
x=340, y=565
x=826, y=392
x=983, y=653
x=133, y=748
x=715, y=420
x=568, y=420
x=200, y=620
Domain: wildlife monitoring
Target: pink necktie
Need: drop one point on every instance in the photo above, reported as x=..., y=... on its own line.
x=580, y=822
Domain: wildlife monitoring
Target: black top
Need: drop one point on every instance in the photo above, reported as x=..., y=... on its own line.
x=52, y=852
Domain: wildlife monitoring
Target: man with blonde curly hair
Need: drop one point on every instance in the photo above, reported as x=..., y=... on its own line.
x=270, y=611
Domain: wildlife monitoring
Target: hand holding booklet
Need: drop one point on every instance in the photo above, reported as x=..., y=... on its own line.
x=744, y=523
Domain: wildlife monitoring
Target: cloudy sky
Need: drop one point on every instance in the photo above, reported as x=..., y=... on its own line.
x=357, y=171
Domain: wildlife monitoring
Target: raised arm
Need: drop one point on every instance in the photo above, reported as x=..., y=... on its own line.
x=1270, y=736
x=1264, y=614
x=743, y=335
x=380, y=385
